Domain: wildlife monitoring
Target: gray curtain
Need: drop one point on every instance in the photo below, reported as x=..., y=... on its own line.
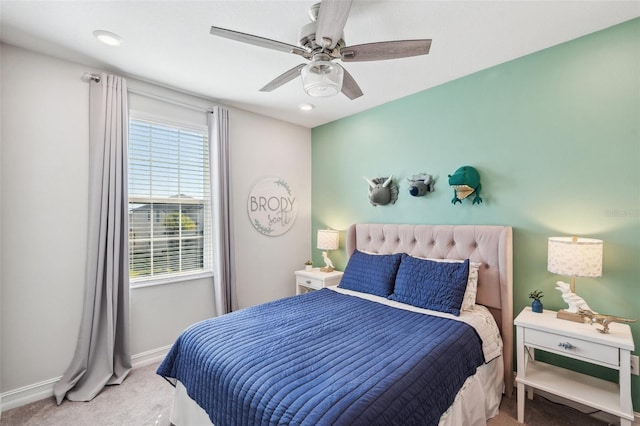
x=224, y=276
x=103, y=356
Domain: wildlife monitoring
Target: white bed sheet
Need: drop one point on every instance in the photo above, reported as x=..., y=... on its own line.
x=478, y=399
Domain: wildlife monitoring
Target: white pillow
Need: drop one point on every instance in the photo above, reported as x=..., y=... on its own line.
x=469, y=299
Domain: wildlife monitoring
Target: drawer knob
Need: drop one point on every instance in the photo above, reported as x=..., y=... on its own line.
x=566, y=345
x=308, y=282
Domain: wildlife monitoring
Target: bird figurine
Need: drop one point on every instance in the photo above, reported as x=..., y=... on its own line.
x=604, y=320
x=574, y=301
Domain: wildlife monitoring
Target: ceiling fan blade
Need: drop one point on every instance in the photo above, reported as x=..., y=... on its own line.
x=331, y=20
x=283, y=78
x=385, y=50
x=259, y=41
x=349, y=86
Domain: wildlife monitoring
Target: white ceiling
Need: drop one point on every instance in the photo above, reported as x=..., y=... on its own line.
x=168, y=42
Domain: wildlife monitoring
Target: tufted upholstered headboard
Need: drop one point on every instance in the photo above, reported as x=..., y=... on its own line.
x=490, y=245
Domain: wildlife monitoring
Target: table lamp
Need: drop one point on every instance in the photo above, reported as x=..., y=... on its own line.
x=574, y=257
x=328, y=239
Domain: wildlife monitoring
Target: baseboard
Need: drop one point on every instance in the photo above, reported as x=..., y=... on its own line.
x=27, y=394
x=37, y=391
x=149, y=357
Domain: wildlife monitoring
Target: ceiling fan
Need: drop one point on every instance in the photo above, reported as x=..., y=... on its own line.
x=322, y=42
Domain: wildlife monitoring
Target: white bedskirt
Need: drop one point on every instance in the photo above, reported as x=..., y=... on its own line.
x=477, y=401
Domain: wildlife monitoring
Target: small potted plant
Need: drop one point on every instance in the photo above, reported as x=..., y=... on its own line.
x=308, y=265
x=536, y=305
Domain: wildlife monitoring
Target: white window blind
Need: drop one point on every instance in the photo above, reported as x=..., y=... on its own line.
x=169, y=201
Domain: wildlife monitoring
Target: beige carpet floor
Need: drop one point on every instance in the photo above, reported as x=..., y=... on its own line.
x=144, y=399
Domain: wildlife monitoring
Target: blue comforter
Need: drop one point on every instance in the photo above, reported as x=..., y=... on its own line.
x=324, y=358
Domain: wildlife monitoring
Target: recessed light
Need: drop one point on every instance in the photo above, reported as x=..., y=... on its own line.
x=306, y=107
x=108, y=38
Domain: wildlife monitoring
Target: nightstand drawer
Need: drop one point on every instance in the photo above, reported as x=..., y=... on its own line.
x=315, y=283
x=316, y=279
x=572, y=347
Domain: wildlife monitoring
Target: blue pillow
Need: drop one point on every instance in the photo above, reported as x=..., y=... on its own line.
x=371, y=273
x=431, y=285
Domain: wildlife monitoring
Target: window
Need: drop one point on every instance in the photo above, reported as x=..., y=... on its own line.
x=169, y=201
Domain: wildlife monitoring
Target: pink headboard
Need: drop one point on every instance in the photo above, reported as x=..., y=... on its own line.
x=489, y=245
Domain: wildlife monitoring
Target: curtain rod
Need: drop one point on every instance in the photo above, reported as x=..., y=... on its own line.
x=96, y=78
x=91, y=77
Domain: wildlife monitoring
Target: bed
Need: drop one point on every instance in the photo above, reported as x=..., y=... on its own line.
x=382, y=348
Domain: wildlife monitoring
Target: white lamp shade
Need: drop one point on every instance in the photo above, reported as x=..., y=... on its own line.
x=575, y=257
x=328, y=239
x=322, y=78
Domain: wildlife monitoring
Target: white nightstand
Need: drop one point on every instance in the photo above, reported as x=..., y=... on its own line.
x=315, y=280
x=579, y=341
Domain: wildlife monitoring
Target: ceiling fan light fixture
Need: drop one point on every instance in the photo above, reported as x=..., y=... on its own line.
x=322, y=78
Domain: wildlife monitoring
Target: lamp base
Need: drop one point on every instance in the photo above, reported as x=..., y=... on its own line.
x=326, y=269
x=569, y=316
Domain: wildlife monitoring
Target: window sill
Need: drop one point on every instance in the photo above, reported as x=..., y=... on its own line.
x=169, y=280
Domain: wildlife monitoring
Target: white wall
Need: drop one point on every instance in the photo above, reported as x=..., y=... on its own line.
x=44, y=181
x=265, y=265
x=44, y=214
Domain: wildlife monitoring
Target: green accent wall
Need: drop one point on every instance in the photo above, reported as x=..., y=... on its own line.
x=555, y=136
